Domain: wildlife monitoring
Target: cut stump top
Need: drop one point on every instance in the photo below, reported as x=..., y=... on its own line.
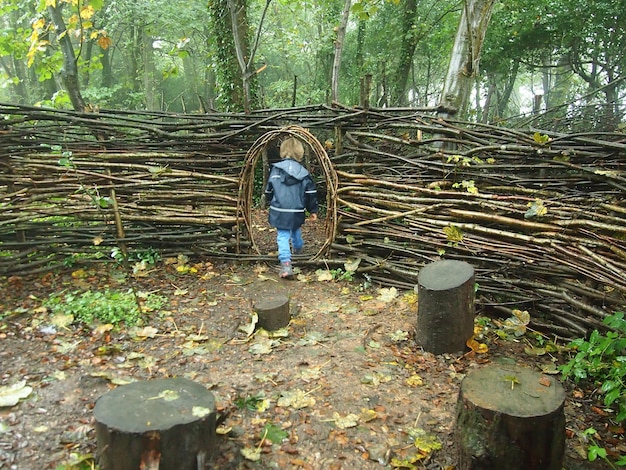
x=271, y=301
x=513, y=390
x=154, y=405
x=445, y=275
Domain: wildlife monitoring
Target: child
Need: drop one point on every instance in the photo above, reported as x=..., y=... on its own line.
x=290, y=190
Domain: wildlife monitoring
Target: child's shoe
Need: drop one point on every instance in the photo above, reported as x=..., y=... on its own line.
x=286, y=270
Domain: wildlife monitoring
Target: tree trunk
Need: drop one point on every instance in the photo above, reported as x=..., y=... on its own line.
x=407, y=49
x=69, y=72
x=149, y=72
x=465, y=56
x=504, y=98
x=229, y=83
x=244, y=53
x=341, y=33
x=107, y=73
x=136, y=33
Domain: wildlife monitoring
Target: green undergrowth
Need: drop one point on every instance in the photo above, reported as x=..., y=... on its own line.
x=600, y=362
x=108, y=306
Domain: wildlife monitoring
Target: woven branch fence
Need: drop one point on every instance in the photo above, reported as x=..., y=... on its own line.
x=540, y=215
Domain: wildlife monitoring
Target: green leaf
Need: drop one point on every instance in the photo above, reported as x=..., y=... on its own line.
x=274, y=433
x=613, y=395
x=453, y=233
x=540, y=138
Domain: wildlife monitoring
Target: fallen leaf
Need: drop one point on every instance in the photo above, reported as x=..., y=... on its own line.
x=478, y=348
x=534, y=351
x=324, y=275
x=398, y=336
x=545, y=381
x=599, y=411
x=223, y=430
x=367, y=415
x=343, y=422
x=200, y=411
x=414, y=381
x=550, y=368
x=296, y=399
x=145, y=332
x=312, y=337
x=79, y=274
x=10, y=395
x=62, y=321
x=387, y=294
x=252, y=454
x=250, y=327
x=167, y=395
x=262, y=346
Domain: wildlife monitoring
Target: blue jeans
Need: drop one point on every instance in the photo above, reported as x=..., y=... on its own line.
x=282, y=240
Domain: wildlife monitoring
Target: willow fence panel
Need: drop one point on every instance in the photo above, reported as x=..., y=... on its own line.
x=540, y=215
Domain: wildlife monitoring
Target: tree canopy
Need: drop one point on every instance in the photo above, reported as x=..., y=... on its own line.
x=234, y=55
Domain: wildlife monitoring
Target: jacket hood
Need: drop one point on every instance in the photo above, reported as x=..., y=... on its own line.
x=292, y=168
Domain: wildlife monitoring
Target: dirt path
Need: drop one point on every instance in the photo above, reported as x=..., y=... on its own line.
x=346, y=387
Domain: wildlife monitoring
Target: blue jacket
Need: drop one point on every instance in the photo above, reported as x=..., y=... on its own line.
x=290, y=190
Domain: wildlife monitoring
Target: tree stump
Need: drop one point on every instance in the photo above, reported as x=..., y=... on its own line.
x=445, y=306
x=273, y=311
x=165, y=424
x=510, y=417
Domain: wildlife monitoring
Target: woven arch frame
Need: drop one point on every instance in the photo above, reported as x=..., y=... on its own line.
x=246, y=184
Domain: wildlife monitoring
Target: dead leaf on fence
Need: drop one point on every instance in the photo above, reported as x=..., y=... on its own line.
x=352, y=265
x=453, y=234
x=535, y=209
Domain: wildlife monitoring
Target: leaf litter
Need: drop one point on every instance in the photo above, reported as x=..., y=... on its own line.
x=343, y=386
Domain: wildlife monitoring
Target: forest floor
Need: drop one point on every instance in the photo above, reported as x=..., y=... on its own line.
x=344, y=387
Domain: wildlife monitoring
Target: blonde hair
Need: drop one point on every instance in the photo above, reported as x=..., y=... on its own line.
x=292, y=148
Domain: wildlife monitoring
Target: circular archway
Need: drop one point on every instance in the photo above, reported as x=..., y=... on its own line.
x=247, y=186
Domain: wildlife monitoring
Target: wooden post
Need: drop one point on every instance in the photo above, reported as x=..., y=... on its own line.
x=273, y=312
x=445, y=306
x=165, y=424
x=510, y=417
